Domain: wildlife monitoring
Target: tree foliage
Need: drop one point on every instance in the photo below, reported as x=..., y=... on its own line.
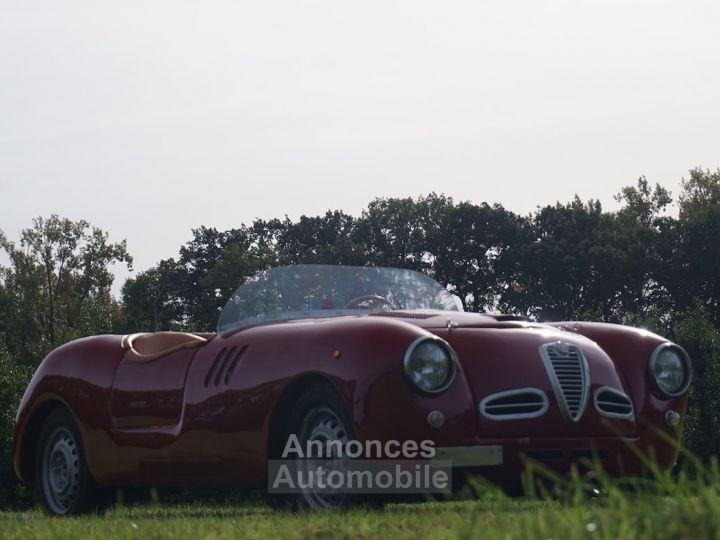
x=57, y=286
x=151, y=299
x=13, y=381
x=697, y=334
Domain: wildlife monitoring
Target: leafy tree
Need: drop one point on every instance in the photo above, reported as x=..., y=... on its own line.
x=475, y=249
x=688, y=268
x=152, y=301
x=390, y=233
x=197, y=258
x=583, y=263
x=636, y=231
x=700, y=192
x=560, y=264
x=13, y=381
x=697, y=334
x=58, y=284
x=327, y=239
x=213, y=264
x=642, y=203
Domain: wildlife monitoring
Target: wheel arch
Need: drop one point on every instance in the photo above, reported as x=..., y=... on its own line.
x=27, y=445
x=289, y=396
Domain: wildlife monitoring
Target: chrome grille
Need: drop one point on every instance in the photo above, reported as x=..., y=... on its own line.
x=613, y=403
x=568, y=371
x=515, y=404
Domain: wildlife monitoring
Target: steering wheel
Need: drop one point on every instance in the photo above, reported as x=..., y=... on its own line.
x=375, y=298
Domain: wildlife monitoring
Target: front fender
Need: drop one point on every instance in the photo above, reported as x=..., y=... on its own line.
x=630, y=350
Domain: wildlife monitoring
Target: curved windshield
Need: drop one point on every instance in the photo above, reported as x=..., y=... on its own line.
x=312, y=291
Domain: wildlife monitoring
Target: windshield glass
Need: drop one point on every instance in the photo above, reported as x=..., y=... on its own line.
x=311, y=291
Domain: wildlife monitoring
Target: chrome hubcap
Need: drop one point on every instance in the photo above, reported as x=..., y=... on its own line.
x=60, y=471
x=322, y=424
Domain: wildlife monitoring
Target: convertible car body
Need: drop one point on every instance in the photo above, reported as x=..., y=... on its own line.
x=376, y=354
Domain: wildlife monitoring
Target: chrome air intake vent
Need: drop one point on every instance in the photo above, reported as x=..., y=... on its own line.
x=568, y=371
x=613, y=403
x=515, y=404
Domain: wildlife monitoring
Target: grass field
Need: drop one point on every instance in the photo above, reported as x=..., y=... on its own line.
x=689, y=512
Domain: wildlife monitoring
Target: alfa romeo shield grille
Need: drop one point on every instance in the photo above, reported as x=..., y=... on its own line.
x=567, y=369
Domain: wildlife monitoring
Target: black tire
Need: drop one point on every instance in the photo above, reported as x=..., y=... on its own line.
x=63, y=484
x=320, y=403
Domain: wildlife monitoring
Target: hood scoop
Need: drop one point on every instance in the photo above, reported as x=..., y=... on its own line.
x=427, y=318
x=409, y=314
x=508, y=317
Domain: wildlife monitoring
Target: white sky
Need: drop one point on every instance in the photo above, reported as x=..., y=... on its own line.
x=149, y=118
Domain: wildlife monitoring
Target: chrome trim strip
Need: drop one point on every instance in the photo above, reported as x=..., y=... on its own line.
x=545, y=405
x=688, y=365
x=610, y=390
x=470, y=456
x=557, y=388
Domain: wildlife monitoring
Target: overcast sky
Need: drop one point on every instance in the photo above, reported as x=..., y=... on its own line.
x=149, y=118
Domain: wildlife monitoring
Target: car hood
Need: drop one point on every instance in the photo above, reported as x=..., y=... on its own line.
x=458, y=319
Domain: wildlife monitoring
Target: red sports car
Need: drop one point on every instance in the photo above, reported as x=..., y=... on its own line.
x=337, y=353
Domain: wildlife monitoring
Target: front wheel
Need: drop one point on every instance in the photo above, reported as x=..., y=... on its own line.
x=63, y=484
x=319, y=415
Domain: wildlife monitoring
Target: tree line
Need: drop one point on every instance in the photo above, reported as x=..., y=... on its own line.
x=654, y=262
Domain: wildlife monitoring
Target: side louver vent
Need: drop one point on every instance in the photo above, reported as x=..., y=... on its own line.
x=515, y=404
x=567, y=369
x=613, y=403
x=224, y=365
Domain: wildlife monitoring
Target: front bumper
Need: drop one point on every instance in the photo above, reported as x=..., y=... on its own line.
x=507, y=459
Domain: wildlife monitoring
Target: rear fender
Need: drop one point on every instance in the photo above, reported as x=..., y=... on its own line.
x=77, y=376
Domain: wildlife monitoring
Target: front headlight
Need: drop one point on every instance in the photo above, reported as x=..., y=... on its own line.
x=430, y=364
x=670, y=369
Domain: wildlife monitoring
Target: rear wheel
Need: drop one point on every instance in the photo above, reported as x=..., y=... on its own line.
x=63, y=485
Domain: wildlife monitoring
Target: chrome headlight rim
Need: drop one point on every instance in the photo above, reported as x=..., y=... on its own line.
x=688, y=369
x=452, y=367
